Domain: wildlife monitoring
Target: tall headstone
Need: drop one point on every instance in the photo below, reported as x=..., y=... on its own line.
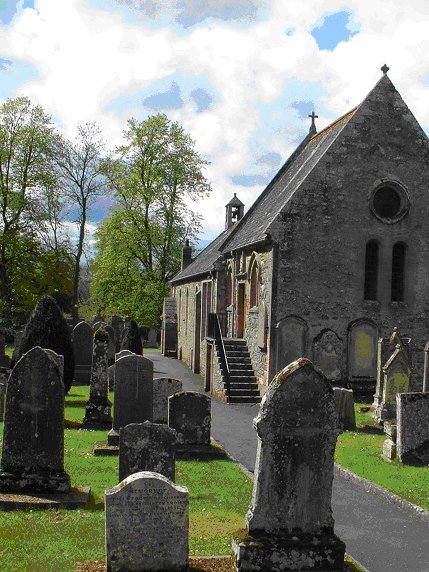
x=344, y=401
x=147, y=524
x=328, y=355
x=4, y=359
x=16, y=344
x=397, y=375
x=82, y=338
x=2, y=395
x=98, y=409
x=189, y=414
x=169, y=328
x=118, y=326
x=289, y=525
x=111, y=369
x=413, y=428
x=33, y=441
x=133, y=394
x=111, y=346
x=147, y=447
x=163, y=387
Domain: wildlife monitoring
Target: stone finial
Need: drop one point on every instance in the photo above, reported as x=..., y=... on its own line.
x=313, y=124
x=385, y=69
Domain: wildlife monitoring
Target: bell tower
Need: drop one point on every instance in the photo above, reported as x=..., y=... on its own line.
x=234, y=211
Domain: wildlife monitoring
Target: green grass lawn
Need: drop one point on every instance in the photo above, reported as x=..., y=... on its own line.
x=219, y=496
x=360, y=452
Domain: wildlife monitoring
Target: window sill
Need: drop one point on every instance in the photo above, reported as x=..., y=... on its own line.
x=373, y=304
x=398, y=304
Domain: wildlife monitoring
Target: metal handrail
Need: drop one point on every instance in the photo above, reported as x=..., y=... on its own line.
x=216, y=333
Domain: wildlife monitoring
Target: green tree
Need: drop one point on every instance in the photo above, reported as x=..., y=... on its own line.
x=156, y=175
x=26, y=135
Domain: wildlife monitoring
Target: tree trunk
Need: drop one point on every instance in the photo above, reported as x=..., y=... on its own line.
x=76, y=272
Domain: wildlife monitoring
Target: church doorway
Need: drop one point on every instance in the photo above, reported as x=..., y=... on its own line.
x=197, y=333
x=240, y=310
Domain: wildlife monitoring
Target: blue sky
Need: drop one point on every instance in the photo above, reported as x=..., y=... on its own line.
x=241, y=76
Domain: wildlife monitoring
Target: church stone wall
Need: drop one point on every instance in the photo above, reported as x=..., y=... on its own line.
x=323, y=231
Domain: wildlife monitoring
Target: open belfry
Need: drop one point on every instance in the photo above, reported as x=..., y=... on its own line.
x=329, y=258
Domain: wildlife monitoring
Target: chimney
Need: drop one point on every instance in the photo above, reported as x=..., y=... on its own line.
x=234, y=211
x=186, y=254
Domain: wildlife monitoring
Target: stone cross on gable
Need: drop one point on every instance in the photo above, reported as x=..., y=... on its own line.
x=385, y=69
x=313, y=124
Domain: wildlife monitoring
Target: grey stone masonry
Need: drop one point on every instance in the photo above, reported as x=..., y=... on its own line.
x=344, y=401
x=289, y=525
x=82, y=338
x=98, y=409
x=163, y=387
x=413, y=428
x=33, y=441
x=147, y=525
x=133, y=393
x=189, y=414
x=147, y=447
x=2, y=394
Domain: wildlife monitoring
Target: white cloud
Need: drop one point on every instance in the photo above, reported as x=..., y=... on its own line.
x=87, y=58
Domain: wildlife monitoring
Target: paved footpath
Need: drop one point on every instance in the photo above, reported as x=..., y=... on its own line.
x=380, y=535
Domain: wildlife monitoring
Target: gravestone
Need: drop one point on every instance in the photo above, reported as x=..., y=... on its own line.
x=163, y=387
x=123, y=353
x=189, y=414
x=111, y=369
x=328, y=355
x=397, y=375
x=289, y=525
x=97, y=325
x=291, y=340
x=344, y=402
x=169, y=328
x=16, y=344
x=147, y=524
x=147, y=447
x=33, y=441
x=389, y=445
x=413, y=428
x=82, y=338
x=4, y=359
x=152, y=338
x=133, y=394
x=118, y=326
x=98, y=408
x=2, y=395
x=111, y=346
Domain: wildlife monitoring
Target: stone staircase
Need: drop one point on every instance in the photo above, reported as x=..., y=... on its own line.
x=243, y=384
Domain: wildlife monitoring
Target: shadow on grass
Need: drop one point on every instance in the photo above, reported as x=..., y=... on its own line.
x=76, y=403
x=371, y=429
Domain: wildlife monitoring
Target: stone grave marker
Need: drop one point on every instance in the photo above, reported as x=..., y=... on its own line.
x=163, y=387
x=123, y=353
x=118, y=326
x=189, y=414
x=328, y=355
x=289, y=525
x=133, y=393
x=147, y=524
x=16, y=344
x=169, y=328
x=4, y=359
x=344, y=402
x=413, y=428
x=33, y=441
x=397, y=375
x=98, y=408
x=111, y=346
x=82, y=338
x=111, y=369
x=147, y=447
x=389, y=445
x=2, y=396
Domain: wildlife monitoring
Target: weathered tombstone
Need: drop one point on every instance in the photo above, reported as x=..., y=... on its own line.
x=2, y=394
x=169, y=328
x=413, y=428
x=147, y=447
x=123, y=353
x=389, y=445
x=96, y=319
x=111, y=346
x=147, y=524
x=118, y=326
x=291, y=336
x=290, y=524
x=163, y=387
x=111, y=369
x=152, y=338
x=82, y=345
x=344, y=402
x=97, y=325
x=189, y=414
x=131, y=339
x=397, y=374
x=385, y=348
x=16, y=344
x=98, y=408
x=33, y=441
x=328, y=355
x=133, y=394
x=4, y=359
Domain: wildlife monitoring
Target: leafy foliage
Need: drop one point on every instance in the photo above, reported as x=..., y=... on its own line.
x=48, y=328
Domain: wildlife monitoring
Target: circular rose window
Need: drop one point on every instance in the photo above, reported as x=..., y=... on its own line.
x=389, y=202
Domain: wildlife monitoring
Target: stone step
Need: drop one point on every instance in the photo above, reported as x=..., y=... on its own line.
x=244, y=399
x=233, y=354
x=244, y=387
x=240, y=370
x=243, y=393
x=239, y=360
x=234, y=341
x=240, y=378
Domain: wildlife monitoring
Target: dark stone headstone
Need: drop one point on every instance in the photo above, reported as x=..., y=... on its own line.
x=118, y=326
x=111, y=346
x=2, y=394
x=289, y=525
x=344, y=401
x=4, y=359
x=189, y=414
x=413, y=428
x=169, y=328
x=133, y=394
x=33, y=441
x=163, y=387
x=82, y=338
x=147, y=447
x=98, y=408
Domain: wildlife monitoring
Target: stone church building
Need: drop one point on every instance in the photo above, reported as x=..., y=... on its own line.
x=331, y=256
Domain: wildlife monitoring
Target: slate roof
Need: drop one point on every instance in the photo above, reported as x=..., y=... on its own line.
x=251, y=229
x=203, y=263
